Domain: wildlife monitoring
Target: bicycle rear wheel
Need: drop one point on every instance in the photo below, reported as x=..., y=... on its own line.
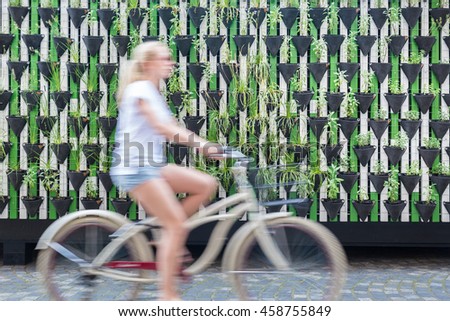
x=66, y=279
x=314, y=261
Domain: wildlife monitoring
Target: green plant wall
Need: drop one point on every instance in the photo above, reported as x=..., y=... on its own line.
x=269, y=73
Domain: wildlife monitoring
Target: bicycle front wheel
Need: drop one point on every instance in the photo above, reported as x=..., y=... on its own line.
x=305, y=262
x=85, y=238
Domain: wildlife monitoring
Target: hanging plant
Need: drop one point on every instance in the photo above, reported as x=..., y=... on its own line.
x=332, y=204
x=378, y=176
x=31, y=201
x=363, y=148
x=363, y=205
x=396, y=96
x=393, y=205
x=411, y=177
x=411, y=123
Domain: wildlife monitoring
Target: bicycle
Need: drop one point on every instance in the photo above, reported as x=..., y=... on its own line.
x=80, y=252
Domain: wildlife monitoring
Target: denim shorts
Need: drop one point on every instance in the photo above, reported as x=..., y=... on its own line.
x=127, y=182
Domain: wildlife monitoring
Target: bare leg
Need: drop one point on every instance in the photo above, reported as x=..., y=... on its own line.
x=158, y=199
x=198, y=185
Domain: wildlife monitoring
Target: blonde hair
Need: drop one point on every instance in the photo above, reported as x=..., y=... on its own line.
x=131, y=70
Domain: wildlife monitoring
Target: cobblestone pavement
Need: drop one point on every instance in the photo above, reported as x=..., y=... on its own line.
x=375, y=274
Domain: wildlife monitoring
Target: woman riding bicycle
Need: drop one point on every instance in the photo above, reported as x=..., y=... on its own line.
x=139, y=165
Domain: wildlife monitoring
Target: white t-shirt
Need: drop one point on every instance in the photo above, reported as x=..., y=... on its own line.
x=137, y=143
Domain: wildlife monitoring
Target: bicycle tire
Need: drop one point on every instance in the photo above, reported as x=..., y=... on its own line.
x=315, y=256
x=65, y=280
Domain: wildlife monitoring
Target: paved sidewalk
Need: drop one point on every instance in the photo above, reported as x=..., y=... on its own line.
x=375, y=274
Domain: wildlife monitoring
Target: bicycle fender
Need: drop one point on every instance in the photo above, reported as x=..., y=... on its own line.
x=51, y=231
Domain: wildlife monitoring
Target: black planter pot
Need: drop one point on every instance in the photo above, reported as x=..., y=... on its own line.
x=32, y=204
x=348, y=16
x=301, y=43
x=76, y=70
x=410, y=126
x=257, y=16
x=5, y=97
x=378, y=181
x=5, y=42
x=334, y=42
x=348, y=180
x=61, y=99
x=91, y=203
x=300, y=152
x=411, y=71
x=137, y=15
x=334, y=100
x=61, y=204
x=381, y=70
x=289, y=15
x=348, y=126
x=228, y=71
x=274, y=43
x=197, y=14
x=447, y=206
x=106, y=17
x=61, y=151
x=78, y=124
x=287, y=70
x=364, y=153
x=317, y=15
x=302, y=98
x=184, y=44
x=378, y=127
x=121, y=43
x=441, y=71
x=317, y=124
x=153, y=38
x=177, y=97
x=93, y=44
x=178, y=152
x=286, y=124
x=318, y=70
x=302, y=207
x=15, y=178
x=379, y=16
x=92, y=99
x=409, y=181
x=425, y=210
x=429, y=155
x=107, y=125
x=395, y=209
x=45, y=124
x=77, y=178
x=446, y=98
x=212, y=98
x=4, y=200
x=214, y=43
x=441, y=182
x=331, y=152
x=243, y=43
x=365, y=43
x=196, y=70
x=77, y=16
x=332, y=207
x=166, y=14
x=46, y=68
x=62, y=44
x=18, y=14
x=106, y=181
x=122, y=205
x=33, y=151
x=439, y=127
x=32, y=98
x=194, y=123
x=425, y=43
x=350, y=68
x=396, y=44
x=411, y=15
x=48, y=15
x=92, y=153
x=228, y=15
x=363, y=209
x=17, y=67
x=395, y=101
x=424, y=101
x=365, y=100
x=439, y=15
x=16, y=124
x=4, y=151
x=107, y=71
x=447, y=150
x=394, y=154
x=274, y=207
